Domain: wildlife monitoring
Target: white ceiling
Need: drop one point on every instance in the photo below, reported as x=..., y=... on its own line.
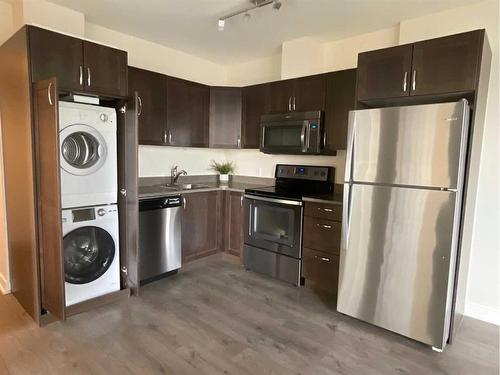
x=191, y=25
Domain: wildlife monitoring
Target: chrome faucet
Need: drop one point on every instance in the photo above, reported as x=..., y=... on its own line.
x=174, y=175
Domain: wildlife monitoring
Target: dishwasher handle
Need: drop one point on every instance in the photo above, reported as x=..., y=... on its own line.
x=160, y=203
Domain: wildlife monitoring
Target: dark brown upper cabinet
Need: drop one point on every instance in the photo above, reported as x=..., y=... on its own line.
x=340, y=99
x=309, y=93
x=438, y=66
x=299, y=94
x=187, y=113
x=280, y=98
x=445, y=65
x=80, y=66
x=384, y=73
x=152, y=112
x=254, y=99
x=225, y=117
x=56, y=55
x=105, y=69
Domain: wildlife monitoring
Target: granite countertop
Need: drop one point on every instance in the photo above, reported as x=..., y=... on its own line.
x=151, y=188
x=333, y=198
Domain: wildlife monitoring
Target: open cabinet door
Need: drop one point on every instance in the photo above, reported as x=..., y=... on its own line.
x=128, y=202
x=49, y=197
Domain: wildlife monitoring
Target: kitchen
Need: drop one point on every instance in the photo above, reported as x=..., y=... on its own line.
x=189, y=131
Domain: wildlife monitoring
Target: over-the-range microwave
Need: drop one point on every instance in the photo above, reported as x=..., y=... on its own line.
x=291, y=133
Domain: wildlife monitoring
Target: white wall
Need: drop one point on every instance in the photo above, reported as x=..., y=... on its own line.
x=155, y=57
x=256, y=71
x=6, y=21
x=301, y=57
x=54, y=16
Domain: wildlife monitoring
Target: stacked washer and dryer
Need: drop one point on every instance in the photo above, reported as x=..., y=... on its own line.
x=89, y=193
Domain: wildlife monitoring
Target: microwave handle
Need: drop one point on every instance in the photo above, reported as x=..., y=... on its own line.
x=303, y=136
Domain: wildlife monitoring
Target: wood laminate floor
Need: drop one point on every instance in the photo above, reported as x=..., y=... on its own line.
x=216, y=318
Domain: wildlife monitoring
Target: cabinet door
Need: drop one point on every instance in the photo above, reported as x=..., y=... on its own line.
x=280, y=96
x=384, y=73
x=225, y=117
x=309, y=93
x=340, y=99
x=234, y=223
x=200, y=224
x=321, y=269
x=151, y=89
x=254, y=106
x=446, y=65
x=187, y=113
x=128, y=201
x=56, y=55
x=48, y=197
x=105, y=70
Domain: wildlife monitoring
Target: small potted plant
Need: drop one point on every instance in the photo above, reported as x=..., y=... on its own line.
x=223, y=169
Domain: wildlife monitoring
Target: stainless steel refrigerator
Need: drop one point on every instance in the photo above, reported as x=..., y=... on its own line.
x=403, y=189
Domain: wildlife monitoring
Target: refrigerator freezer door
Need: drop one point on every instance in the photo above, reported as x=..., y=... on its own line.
x=419, y=145
x=395, y=265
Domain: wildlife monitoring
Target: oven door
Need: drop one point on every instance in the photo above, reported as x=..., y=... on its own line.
x=274, y=225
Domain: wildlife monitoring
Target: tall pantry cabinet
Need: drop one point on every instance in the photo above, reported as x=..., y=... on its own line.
x=34, y=75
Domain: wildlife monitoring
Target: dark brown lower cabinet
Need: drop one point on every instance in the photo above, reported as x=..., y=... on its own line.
x=201, y=224
x=234, y=223
x=321, y=239
x=321, y=269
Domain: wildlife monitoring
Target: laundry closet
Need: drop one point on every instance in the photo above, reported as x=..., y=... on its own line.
x=70, y=153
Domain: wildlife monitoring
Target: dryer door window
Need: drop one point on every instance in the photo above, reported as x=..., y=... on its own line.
x=80, y=150
x=83, y=150
x=88, y=254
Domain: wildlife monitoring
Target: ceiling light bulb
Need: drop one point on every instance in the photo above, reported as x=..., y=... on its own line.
x=221, y=24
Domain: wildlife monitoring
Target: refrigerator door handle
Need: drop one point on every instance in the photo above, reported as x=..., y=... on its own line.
x=346, y=217
x=350, y=146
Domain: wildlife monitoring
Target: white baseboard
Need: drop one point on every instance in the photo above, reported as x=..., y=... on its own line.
x=481, y=312
x=4, y=285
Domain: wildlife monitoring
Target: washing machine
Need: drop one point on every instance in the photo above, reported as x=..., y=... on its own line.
x=87, y=143
x=91, y=252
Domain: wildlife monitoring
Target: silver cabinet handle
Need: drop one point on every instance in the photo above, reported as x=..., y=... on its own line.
x=184, y=202
x=81, y=75
x=322, y=258
x=325, y=138
x=405, y=79
x=414, y=80
x=49, y=95
x=88, y=77
x=140, y=106
x=238, y=142
x=325, y=209
x=290, y=104
x=325, y=226
x=164, y=136
x=294, y=103
x=303, y=136
x=170, y=137
x=241, y=201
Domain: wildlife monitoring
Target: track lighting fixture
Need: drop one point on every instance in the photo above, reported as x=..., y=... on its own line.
x=254, y=4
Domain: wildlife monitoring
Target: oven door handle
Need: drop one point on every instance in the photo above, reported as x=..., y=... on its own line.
x=303, y=136
x=274, y=200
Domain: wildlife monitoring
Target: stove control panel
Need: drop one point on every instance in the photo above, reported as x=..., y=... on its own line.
x=304, y=172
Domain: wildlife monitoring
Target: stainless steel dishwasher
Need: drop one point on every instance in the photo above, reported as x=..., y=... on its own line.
x=159, y=237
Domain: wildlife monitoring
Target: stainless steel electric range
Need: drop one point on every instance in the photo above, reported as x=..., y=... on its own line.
x=273, y=220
